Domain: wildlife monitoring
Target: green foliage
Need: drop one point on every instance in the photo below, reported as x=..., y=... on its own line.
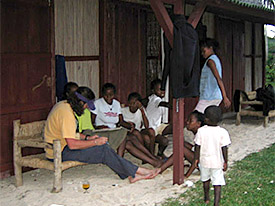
x=270, y=64
x=249, y=182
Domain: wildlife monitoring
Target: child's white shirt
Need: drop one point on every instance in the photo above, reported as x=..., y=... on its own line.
x=154, y=112
x=106, y=114
x=136, y=117
x=211, y=139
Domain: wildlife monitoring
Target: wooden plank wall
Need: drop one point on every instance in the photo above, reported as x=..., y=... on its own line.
x=248, y=60
x=258, y=56
x=76, y=36
x=123, y=42
x=85, y=73
x=26, y=70
x=253, y=46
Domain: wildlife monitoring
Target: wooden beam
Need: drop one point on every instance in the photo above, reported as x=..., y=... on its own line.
x=163, y=19
x=81, y=58
x=197, y=13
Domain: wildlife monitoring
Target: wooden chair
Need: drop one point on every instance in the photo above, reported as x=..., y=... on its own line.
x=31, y=135
x=248, y=111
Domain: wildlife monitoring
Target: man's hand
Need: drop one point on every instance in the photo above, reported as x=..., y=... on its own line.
x=101, y=141
x=92, y=137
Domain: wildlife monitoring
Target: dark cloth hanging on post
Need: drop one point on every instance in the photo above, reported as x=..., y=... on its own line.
x=182, y=62
x=61, y=76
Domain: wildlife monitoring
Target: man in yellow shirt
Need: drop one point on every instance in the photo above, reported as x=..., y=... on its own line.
x=61, y=124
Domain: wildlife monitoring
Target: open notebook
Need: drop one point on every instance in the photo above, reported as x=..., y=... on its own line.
x=115, y=136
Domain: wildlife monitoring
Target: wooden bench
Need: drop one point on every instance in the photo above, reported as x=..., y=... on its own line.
x=248, y=111
x=31, y=135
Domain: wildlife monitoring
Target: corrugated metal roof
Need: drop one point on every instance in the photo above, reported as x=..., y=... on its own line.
x=259, y=4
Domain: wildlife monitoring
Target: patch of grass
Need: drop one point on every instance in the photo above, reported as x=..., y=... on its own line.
x=249, y=182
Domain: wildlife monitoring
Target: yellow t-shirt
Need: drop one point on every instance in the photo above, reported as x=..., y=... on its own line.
x=60, y=124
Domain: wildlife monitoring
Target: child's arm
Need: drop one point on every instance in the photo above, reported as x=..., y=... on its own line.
x=191, y=169
x=144, y=117
x=93, y=117
x=128, y=125
x=197, y=155
x=165, y=104
x=224, y=154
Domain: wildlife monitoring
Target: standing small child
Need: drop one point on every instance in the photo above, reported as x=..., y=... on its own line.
x=211, y=143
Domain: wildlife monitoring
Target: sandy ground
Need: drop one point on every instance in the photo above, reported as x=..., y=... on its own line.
x=106, y=187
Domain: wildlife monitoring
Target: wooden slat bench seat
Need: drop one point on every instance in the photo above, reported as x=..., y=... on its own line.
x=249, y=111
x=31, y=135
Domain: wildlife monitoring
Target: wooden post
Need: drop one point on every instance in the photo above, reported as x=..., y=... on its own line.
x=57, y=184
x=17, y=154
x=178, y=141
x=178, y=104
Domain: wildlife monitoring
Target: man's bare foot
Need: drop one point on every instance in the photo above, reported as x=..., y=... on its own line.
x=143, y=171
x=138, y=177
x=206, y=201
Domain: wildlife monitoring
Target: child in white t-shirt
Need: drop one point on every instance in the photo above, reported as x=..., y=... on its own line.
x=155, y=110
x=136, y=113
x=211, y=143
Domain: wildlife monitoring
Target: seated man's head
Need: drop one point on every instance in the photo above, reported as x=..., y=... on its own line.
x=81, y=99
x=195, y=121
x=213, y=115
x=108, y=92
x=155, y=87
x=134, y=101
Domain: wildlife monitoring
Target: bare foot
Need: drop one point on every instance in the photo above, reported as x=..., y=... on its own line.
x=138, y=177
x=150, y=175
x=143, y=171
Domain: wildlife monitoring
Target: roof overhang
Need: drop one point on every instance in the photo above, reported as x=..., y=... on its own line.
x=237, y=11
x=229, y=9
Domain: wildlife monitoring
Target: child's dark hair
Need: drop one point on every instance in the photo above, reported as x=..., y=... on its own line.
x=134, y=95
x=107, y=86
x=210, y=43
x=73, y=100
x=86, y=92
x=154, y=83
x=68, y=89
x=199, y=116
x=213, y=114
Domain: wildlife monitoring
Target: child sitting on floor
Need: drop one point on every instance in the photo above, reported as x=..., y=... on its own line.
x=136, y=114
x=211, y=143
x=155, y=111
